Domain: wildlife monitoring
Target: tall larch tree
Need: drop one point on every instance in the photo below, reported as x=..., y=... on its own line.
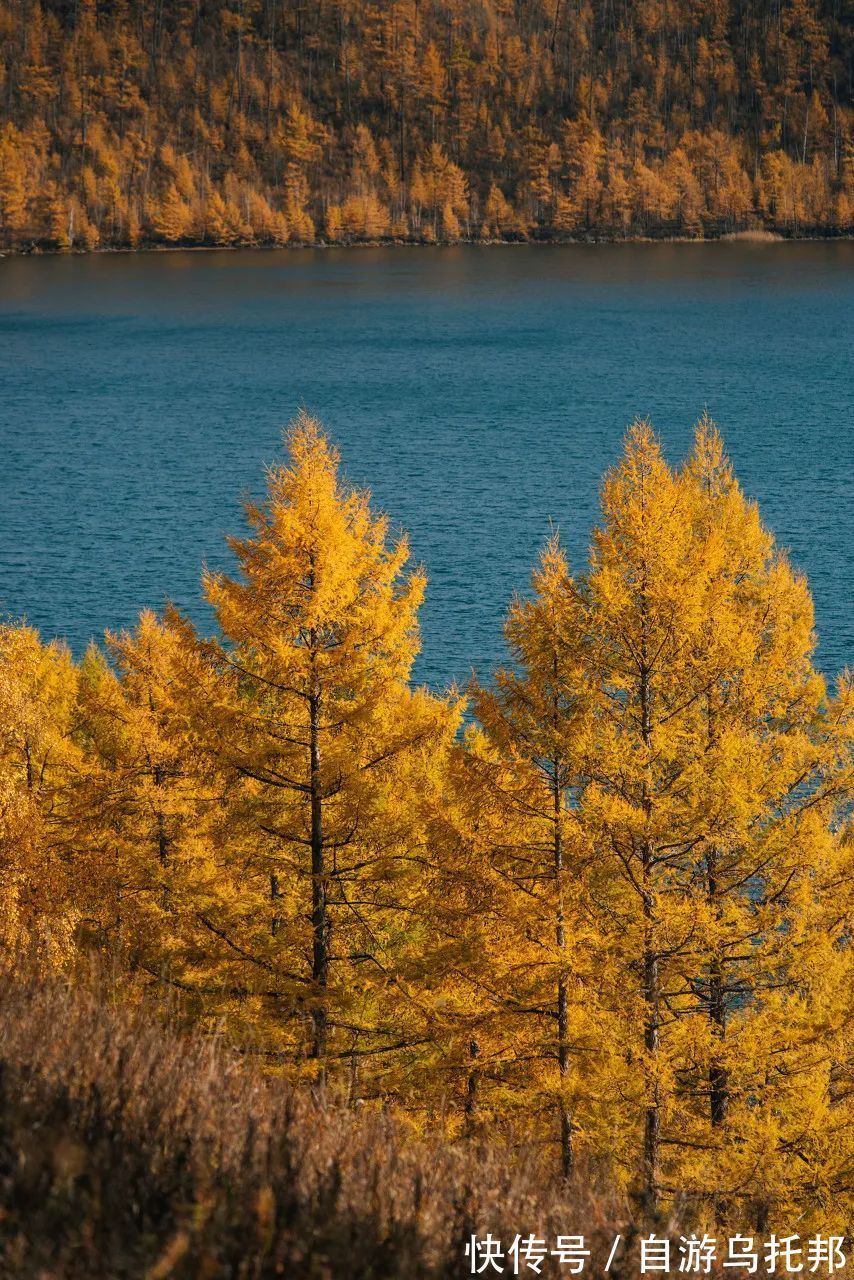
x=39, y=760
x=308, y=714
x=648, y=611
x=527, y=765
x=718, y=776
x=139, y=805
x=769, y=787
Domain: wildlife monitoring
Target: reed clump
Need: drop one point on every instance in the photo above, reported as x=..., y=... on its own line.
x=131, y=1148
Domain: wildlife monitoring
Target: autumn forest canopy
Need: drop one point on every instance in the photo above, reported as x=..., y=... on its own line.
x=600, y=901
x=124, y=123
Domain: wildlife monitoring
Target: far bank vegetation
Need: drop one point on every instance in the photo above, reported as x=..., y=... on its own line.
x=258, y=122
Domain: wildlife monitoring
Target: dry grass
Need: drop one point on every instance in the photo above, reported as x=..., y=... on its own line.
x=755, y=236
x=130, y=1149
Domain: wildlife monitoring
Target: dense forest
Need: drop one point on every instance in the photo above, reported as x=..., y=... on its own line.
x=133, y=122
x=600, y=902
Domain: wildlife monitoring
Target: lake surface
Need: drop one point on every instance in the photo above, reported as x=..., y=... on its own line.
x=478, y=392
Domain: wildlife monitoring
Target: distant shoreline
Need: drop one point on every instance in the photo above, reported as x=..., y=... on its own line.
x=551, y=242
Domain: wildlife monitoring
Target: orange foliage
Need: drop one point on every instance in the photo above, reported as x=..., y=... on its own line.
x=343, y=120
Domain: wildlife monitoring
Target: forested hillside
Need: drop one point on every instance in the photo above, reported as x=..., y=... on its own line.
x=607, y=912
x=129, y=122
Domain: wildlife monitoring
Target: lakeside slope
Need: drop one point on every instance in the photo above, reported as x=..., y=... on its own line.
x=131, y=1147
x=126, y=125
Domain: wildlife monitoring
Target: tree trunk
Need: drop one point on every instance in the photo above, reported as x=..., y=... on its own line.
x=651, y=985
x=553, y=40
x=472, y=1086
x=162, y=834
x=566, y=1151
x=275, y=894
x=652, y=1119
x=718, y=1076
x=319, y=906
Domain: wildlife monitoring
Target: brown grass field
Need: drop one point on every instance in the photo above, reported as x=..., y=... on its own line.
x=131, y=1148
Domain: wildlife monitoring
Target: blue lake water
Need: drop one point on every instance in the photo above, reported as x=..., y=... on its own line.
x=478, y=392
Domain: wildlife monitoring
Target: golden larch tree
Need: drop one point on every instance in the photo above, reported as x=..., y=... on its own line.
x=308, y=714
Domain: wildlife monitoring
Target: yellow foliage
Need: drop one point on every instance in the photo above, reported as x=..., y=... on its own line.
x=611, y=915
